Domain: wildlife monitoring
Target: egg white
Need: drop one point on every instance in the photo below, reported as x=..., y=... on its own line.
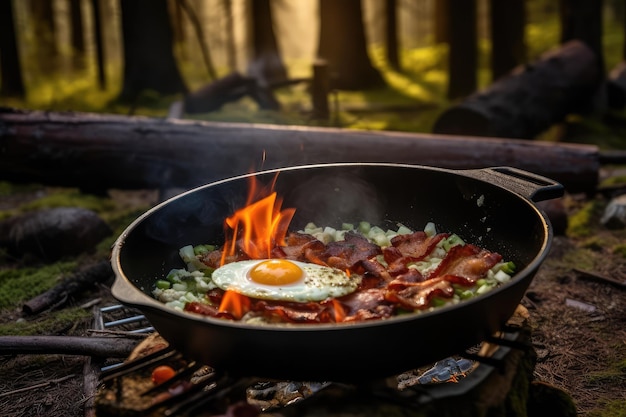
x=317, y=283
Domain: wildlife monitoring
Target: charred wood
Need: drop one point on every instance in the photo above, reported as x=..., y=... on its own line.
x=105, y=347
x=530, y=99
x=110, y=151
x=81, y=280
x=230, y=88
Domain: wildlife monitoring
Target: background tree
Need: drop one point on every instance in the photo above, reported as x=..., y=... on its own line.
x=11, y=83
x=508, y=50
x=77, y=32
x=99, y=43
x=343, y=45
x=231, y=52
x=391, y=30
x=582, y=20
x=147, y=38
x=266, y=64
x=463, y=51
x=440, y=19
x=42, y=14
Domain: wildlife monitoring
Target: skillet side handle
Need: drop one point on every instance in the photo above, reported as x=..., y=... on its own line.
x=532, y=186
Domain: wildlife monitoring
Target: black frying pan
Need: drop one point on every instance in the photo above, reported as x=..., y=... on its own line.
x=490, y=207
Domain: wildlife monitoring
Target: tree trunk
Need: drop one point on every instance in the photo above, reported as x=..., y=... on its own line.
x=231, y=52
x=78, y=36
x=109, y=151
x=463, y=52
x=508, y=49
x=440, y=18
x=99, y=43
x=616, y=83
x=45, y=31
x=582, y=20
x=149, y=62
x=267, y=64
x=530, y=99
x=391, y=38
x=343, y=45
x=12, y=84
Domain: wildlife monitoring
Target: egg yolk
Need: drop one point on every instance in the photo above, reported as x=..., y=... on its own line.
x=275, y=272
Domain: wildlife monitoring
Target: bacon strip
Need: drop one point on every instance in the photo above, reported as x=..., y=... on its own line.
x=384, y=288
x=300, y=247
x=418, y=295
x=346, y=254
x=417, y=245
x=466, y=264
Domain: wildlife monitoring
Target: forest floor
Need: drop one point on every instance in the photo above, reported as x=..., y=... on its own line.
x=579, y=324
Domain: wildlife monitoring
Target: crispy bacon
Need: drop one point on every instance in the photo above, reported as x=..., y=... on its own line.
x=346, y=254
x=207, y=310
x=466, y=264
x=366, y=305
x=385, y=286
x=310, y=312
x=300, y=247
x=418, y=295
x=417, y=245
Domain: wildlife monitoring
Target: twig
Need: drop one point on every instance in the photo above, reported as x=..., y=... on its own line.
x=59, y=294
x=41, y=385
x=600, y=277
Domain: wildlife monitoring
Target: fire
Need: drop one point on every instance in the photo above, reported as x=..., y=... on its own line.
x=259, y=226
x=234, y=304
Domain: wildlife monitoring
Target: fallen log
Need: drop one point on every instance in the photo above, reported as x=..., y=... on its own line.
x=530, y=99
x=104, y=347
x=110, y=151
x=81, y=280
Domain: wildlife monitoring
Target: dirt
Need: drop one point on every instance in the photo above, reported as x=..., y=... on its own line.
x=579, y=330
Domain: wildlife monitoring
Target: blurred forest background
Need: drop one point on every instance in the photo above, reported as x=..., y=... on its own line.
x=141, y=56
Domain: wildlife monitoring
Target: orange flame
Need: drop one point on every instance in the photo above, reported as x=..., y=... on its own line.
x=234, y=304
x=259, y=226
x=340, y=312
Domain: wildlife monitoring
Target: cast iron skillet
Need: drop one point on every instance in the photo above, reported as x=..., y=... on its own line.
x=492, y=207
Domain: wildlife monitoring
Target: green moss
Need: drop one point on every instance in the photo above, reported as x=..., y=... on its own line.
x=615, y=408
x=70, y=198
x=614, y=373
x=611, y=181
x=49, y=324
x=20, y=284
x=596, y=243
x=581, y=258
x=619, y=250
x=8, y=188
x=582, y=222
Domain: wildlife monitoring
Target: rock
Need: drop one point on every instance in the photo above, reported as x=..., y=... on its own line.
x=548, y=400
x=615, y=213
x=555, y=210
x=51, y=234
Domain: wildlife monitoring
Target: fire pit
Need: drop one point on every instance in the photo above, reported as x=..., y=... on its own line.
x=488, y=370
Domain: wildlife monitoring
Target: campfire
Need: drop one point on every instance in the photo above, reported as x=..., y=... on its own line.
x=491, y=369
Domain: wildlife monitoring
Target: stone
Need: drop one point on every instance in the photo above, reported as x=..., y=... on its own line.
x=615, y=213
x=52, y=234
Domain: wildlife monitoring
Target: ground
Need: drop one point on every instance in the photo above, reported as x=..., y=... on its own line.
x=581, y=348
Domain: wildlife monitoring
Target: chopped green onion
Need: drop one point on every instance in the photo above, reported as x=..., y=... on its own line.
x=163, y=284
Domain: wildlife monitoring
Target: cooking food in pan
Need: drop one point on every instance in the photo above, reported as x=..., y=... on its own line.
x=492, y=208
x=324, y=275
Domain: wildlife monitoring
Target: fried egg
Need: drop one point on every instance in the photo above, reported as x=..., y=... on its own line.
x=284, y=280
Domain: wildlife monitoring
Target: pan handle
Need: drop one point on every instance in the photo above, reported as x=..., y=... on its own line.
x=532, y=186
